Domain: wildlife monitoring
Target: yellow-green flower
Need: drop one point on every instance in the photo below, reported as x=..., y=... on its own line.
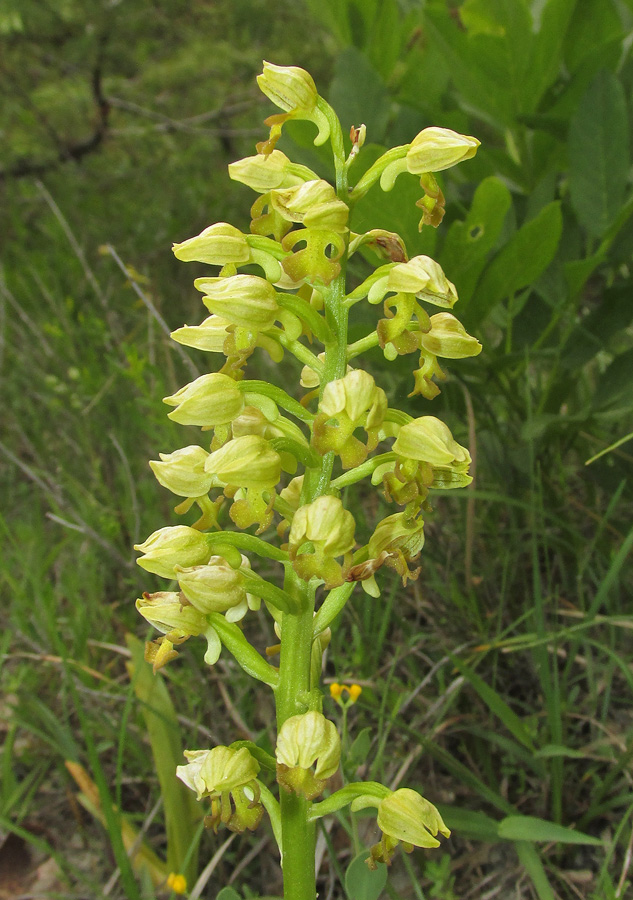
x=305, y=741
x=403, y=816
x=228, y=778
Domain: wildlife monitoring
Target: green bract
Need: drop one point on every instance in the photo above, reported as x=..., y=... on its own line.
x=292, y=449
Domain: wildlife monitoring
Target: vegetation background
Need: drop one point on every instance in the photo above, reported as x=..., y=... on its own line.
x=500, y=682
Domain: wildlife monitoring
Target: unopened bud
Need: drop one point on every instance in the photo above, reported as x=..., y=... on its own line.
x=264, y=173
x=435, y=149
x=214, y=587
x=210, y=335
x=172, y=546
x=218, y=245
x=210, y=400
x=182, y=472
x=289, y=87
x=247, y=461
x=245, y=300
x=449, y=339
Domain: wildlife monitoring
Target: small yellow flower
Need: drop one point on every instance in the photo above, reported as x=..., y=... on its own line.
x=177, y=883
x=336, y=690
x=354, y=690
x=353, y=693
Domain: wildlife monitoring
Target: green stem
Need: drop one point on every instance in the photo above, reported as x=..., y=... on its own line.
x=293, y=691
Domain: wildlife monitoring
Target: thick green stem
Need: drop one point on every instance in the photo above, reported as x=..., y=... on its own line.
x=293, y=691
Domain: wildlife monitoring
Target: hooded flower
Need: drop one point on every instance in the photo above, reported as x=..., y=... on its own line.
x=305, y=741
x=320, y=532
x=403, y=816
x=228, y=778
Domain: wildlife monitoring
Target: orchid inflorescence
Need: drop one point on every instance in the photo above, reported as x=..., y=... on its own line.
x=271, y=455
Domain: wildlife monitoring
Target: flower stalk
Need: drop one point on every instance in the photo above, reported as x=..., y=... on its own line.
x=272, y=454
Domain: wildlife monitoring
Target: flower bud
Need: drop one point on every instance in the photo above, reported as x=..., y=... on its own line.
x=214, y=587
x=219, y=245
x=228, y=778
x=210, y=335
x=435, y=149
x=244, y=300
x=210, y=400
x=329, y=528
x=423, y=277
x=305, y=741
x=182, y=472
x=429, y=440
x=175, y=545
x=449, y=339
x=264, y=173
x=247, y=461
x=289, y=87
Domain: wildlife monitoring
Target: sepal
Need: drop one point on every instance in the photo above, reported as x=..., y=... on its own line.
x=305, y=741
x=228, y=778
x=320, y=532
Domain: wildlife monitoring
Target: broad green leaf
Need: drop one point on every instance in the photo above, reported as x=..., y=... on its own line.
x=599, y=154
x=468, y=243
x=334, y=16
x=615, y=386
x=483, y=86
x=361, y=883
x=531, y=862
x=518, y=264
x=496, y=704
x=547, y=47
x=357, y=753
x=503, y=33
x=470, y=823
x=594, y=24
x=163, y=730
x=359, y=95
x=530, y=828
x=228, y=893
x=595, y=332
x=386, y=39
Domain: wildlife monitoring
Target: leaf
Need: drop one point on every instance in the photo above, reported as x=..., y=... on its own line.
x=615, y=386
x=468, y=243
x=357, y=753
x=470, y=823
x=388, y=33
x=464, y=54
x=163, y=729
x=496, y=704
x=594, y=24
x=530, y=828
x=361, y=883
x=550, y=751
x=518, y=264
x=228, y=893
x=548, y=45
x=531, y=862
x=359, y=95
x=598, y=147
